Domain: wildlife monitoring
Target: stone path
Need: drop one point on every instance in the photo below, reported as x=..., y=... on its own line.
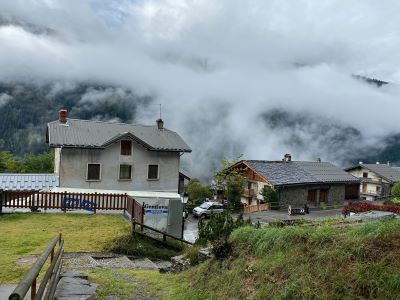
x=80, y=288
x=75, y=286
x=80, y=261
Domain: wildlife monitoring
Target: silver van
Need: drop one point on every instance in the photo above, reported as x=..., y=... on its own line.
x=207, y=208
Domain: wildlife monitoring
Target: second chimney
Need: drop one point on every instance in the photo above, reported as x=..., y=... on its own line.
x=160, y=124
x=62, y=116
x=287, y=158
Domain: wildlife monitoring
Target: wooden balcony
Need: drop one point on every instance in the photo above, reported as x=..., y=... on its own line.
x=248, y=193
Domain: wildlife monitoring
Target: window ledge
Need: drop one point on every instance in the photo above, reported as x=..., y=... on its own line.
x=122, y=179
x=93, y=180
x=153, y=179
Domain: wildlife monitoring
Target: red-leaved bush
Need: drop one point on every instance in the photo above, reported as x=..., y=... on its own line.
x=357, y=207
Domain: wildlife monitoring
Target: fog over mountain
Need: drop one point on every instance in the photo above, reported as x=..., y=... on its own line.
x=259, y=78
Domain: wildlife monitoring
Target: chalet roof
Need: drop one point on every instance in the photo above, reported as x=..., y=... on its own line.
x=281, y=173
x=392, y=174
x=96, y=134
x=27, y=182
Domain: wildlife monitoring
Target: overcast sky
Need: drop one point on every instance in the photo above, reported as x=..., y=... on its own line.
x=217, y=66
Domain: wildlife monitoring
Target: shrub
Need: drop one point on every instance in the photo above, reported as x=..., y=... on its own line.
x=192, y=254
x=396, y=191
x=221, y=248
x=357, y=207
x=392, y=201
x=220, y=226
x=270, y=196
x=197, y=192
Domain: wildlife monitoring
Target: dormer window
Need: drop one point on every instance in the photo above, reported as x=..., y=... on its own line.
x=126, y=147
x=365, y=174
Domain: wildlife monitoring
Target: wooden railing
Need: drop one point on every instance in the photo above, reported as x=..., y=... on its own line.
x=254, y=208
x=248, y=193
x=50, y=278
x=134, y=209
x=163, y=233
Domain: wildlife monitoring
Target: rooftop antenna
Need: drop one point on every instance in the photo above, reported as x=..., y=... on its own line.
x=160, y=109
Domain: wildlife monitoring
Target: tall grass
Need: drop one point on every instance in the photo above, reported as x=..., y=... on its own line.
x=322, y=262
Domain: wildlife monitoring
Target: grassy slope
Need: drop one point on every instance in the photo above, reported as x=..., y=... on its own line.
x=26, y=234
x=362, y=261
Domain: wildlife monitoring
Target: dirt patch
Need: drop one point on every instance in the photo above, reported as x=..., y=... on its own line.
x=27, y=260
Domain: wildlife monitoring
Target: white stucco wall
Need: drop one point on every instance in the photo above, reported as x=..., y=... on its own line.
x=73, y=168
x=370, y=192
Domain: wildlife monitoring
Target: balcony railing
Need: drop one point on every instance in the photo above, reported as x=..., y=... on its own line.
x=248, y=193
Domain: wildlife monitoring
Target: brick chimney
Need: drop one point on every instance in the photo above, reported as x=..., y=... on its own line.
x=62, y=116
x=160, y=124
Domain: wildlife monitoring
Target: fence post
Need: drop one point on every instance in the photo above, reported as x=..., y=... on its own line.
x=1, y=202
x=33, y=289
x=94, y=202
x=64, y=202
x=126, y=202
x=132, y=208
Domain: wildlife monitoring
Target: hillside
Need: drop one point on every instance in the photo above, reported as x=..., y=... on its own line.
x=25, y=110
x=357, y=262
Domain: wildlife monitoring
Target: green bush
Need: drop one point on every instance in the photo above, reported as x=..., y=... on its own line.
x=192, y=254
x=218, y=227
x=221, y=248
x=197, y=192
x=392, y=201
x=270, y=196
x=396, y=191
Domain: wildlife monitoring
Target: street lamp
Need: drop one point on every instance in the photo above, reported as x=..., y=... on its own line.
x=184, y=199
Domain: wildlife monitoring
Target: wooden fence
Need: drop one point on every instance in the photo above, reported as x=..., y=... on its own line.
x=49, y=282
x=64, y=200
x=153, y=230
x=134, y=209
x=254, y=208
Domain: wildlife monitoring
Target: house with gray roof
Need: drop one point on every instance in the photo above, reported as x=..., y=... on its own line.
x=115, y=156
x=376, y=179
x=297, y=182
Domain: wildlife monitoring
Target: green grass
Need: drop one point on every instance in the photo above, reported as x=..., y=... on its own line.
x=141, y=246
x=24, y=234
x=294, y=262
x=130, y=284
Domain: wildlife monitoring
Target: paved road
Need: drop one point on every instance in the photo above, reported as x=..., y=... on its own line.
x=191, y=230
x=276, y=215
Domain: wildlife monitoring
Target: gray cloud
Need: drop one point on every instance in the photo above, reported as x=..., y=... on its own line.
x=220, y=67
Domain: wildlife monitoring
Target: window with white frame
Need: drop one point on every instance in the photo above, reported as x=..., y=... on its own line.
x=152, y=173
x=125, y=172
x=93, y=172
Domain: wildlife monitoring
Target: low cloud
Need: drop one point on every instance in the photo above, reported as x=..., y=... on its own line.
x=223, y=71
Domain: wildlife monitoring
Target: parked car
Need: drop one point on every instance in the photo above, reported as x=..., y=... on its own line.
x=207, y=208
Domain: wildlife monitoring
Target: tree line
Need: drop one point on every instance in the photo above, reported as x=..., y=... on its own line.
x=30, y=163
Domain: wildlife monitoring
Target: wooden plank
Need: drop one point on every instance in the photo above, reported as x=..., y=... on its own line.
x=161, y=232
